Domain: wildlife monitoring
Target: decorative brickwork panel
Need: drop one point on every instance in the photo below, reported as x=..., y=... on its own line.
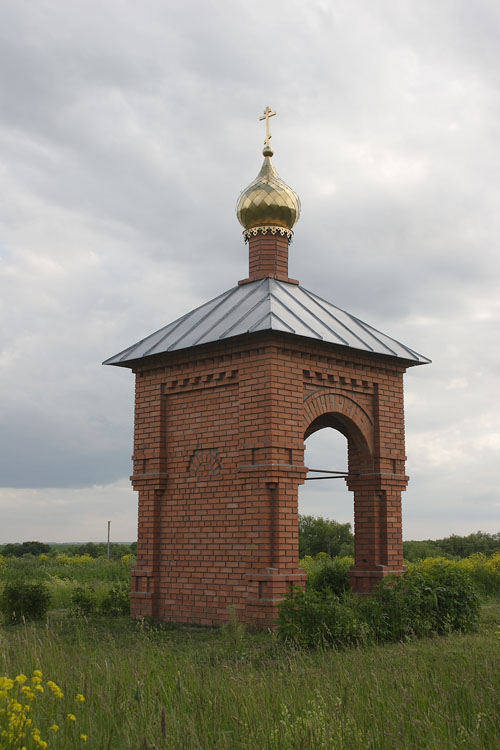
x=204, y=463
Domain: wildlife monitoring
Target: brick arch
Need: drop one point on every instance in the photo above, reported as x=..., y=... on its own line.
x=342, y=413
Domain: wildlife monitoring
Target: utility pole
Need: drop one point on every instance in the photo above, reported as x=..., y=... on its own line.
x=109, y=525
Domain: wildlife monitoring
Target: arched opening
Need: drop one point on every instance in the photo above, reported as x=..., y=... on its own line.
x=338, y=456
x=359, y=458
x=376, y=495
x=326, y=450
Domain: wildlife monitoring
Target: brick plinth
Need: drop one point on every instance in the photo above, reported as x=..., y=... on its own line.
x=268, y=258
x=219, y=458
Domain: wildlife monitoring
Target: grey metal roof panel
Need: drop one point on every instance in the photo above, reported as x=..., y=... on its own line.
x=267, y=305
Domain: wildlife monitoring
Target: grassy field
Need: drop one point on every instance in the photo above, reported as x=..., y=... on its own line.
x=166, y=687
x=62, y=574
x=201, y=688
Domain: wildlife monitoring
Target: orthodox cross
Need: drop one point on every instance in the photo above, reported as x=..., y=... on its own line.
x=267, y=114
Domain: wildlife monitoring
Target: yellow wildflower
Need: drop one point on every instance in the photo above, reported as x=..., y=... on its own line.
x=55, y=689
x=84, y=737
x=80, y=698
x=36, y=737
x=21, y=678
x=55, y=727
x=37, y=673
x=71, y=717
x=36, y=680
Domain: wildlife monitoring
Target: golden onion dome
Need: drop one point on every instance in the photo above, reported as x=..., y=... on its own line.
x=268, y=204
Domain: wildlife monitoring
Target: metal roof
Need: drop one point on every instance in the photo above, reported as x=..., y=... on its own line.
x=267, y=305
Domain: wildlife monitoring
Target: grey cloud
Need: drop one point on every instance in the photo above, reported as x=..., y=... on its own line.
x=127, y=133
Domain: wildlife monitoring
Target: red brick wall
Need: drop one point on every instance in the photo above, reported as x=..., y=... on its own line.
x=219, y=457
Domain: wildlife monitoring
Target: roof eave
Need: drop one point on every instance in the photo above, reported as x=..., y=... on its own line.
x=135, y=361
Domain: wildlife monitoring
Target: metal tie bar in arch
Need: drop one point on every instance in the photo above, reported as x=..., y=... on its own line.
x=334, y=474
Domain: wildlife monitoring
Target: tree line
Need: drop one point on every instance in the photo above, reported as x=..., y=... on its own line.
x=95, y=550
x=316, y=534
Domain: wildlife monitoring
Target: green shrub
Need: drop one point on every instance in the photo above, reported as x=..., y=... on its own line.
x=19, y=600
x=427, y=599
x=117, y=600
x=331, y=574
x=22, y=569
x=484, y=571
x=319, y=618
x=434, y=596
x=83, y=601
x=404, y=605
x=61, y=590
x=457, y=601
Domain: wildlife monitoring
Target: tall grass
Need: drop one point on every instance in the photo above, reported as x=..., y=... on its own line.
x=193, y=688
x=165, y=687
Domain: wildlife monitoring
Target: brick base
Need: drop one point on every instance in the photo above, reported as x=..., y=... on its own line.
x=363, y=581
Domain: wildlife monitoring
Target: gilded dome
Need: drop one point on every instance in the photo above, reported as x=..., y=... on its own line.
x=268, y=201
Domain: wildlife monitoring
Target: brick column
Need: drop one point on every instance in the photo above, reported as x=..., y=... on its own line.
x=271, y=467
x=149, y=480
x=268, y=258
x=378, y=548
x=145, y=575
x=273, y=567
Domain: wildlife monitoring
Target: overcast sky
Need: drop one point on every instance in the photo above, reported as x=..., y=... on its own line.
x=128, y=130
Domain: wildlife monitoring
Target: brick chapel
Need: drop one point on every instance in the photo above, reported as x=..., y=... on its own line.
x=225, y=397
